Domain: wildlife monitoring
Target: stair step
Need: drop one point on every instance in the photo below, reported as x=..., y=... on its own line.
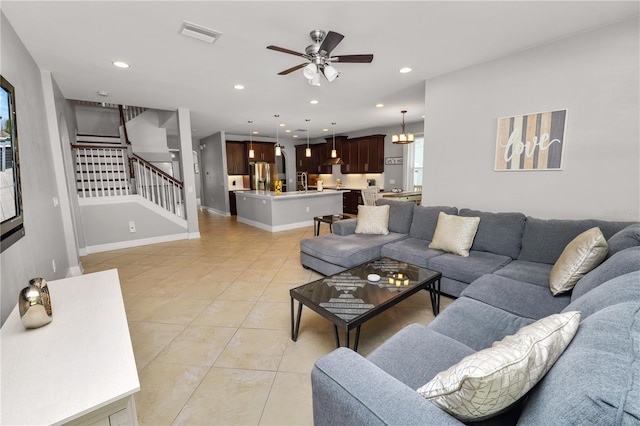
x=98, y=139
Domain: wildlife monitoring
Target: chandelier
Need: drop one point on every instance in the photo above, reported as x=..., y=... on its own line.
x=404, y=137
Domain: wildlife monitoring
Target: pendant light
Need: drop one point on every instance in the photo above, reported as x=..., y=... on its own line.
x=278, y=146
x=307, y=152
x=252, y=153
x=334, y=153
x=402, y=138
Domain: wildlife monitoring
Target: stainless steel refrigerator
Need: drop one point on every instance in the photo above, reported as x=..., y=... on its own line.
x=263, y=176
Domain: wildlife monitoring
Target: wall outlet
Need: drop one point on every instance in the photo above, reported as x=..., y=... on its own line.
x=132, y=226
x=307, y=209
x=53, y=264
x=56, y=202
x=392, y=181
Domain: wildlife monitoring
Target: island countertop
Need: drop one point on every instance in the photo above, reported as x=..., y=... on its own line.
x=271, y=195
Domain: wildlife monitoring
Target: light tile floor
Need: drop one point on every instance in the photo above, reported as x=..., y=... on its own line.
x=210, y=325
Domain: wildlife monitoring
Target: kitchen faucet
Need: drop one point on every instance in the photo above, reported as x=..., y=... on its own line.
x=305, y=180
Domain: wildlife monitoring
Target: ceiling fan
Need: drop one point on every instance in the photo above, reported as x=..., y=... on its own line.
x=319, y=57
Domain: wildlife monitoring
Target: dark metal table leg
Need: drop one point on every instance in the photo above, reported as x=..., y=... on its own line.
x=317, y=226
x=335, y=331
x=355, y=344
x=296, y=329
x=434, y=292
x=347, y=337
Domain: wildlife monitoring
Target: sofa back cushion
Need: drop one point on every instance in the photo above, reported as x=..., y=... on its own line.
x=617, y=290
x=544, y=240
x=499, y=233
x=595, y=381
x=620, y=263
x=400, y=214
x=625, y=238
x=425, y=220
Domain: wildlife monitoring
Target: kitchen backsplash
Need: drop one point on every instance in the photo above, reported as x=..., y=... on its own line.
x=355, y=181
x=238, y=182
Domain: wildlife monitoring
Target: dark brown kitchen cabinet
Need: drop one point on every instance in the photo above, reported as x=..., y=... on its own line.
x=315, y=163
x=237, y=161
x=264, y=152
x=363, y=155
x=350, y=201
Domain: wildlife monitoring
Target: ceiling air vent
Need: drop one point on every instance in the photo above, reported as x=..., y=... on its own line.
x=199, y=32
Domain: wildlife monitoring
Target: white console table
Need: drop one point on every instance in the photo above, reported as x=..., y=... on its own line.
x=77, y=369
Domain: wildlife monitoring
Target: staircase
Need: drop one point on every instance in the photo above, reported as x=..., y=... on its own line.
x=105, y=166
x=101, y=165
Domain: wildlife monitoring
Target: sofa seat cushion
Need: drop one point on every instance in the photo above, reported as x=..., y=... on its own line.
x=412, y=250
x=414, y=345
x=529, y=272
x=470, y=268
x=349, y=250
x=621, y=263
x=597, y=379
x=476, y=324
x=499, y=233
x=519, y=298
x=425, y=220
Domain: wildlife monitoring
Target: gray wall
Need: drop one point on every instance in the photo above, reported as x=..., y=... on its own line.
x=32, y=256
x=106, y=225
x=595, y=76
x=213, y=172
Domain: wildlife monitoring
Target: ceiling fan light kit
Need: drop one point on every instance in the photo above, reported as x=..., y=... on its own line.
x=319, y=57
x=404, y=137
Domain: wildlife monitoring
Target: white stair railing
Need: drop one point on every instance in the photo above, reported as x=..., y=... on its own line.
x=101, y=171
x=157, y=186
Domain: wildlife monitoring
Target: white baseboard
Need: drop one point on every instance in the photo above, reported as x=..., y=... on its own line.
x=277, y=228
x=135, y=243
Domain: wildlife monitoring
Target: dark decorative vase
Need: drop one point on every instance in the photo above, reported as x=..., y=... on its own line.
x=34, y=303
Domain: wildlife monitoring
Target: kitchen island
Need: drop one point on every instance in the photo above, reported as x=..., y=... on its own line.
x=288, y=210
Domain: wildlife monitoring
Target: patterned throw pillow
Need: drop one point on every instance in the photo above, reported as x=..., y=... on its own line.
x=581, y=255
x=373, y=220
x=454, y=234
x=488, y=382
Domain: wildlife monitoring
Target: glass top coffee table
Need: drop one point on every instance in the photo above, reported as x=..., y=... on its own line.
x=350, y=298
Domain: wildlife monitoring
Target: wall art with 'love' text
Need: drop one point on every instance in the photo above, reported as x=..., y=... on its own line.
x=531, y=141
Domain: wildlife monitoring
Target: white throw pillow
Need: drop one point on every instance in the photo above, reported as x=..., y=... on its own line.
x=373, y=220
x=454, y=234
x=581, y=255
x=487, y=382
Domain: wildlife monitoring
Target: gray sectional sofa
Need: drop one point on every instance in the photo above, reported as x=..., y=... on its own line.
x=502, y=286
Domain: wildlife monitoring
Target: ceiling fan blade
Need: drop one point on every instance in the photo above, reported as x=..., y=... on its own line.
x=290, y=52
x=330, y=41
x=353, y=58
x=292, y=69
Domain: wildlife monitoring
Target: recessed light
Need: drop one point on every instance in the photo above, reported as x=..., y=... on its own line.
x=238, y=87
x=288, y=130
x=405, y=70
x=295, y=136
x=103, y=93
x=282, y=125
x=255, y=132
x=325, y=130
x=313, y=101
x=120, y=64
x=379, y=105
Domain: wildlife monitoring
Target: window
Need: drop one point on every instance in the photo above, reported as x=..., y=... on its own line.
x=10, y=194
x=414, y=155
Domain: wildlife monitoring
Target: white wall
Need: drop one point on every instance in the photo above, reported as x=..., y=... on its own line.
x=97, y=121
x=595, y=76
x=213, y=172
x=44, y=238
